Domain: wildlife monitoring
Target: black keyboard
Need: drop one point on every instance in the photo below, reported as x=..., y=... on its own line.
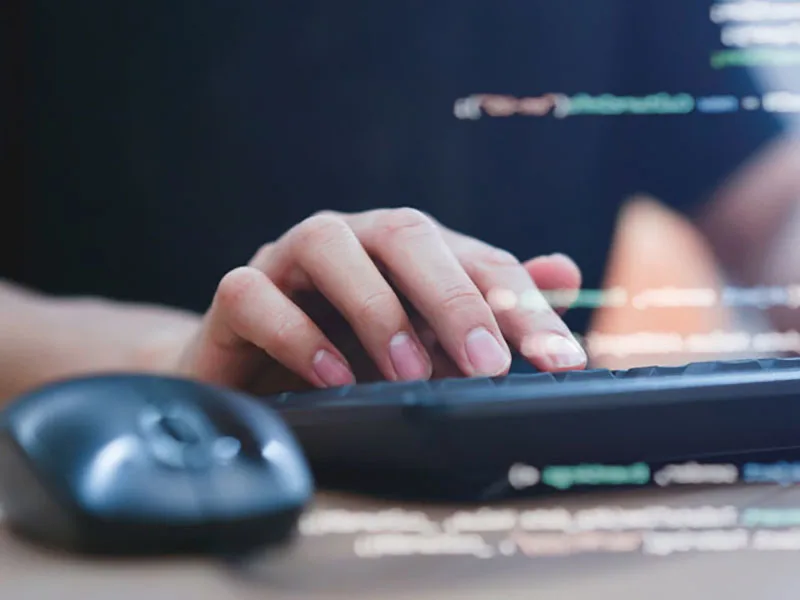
x=458, y=438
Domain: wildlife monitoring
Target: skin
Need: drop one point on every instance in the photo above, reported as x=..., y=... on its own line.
x=338, y=299
x=347, y=285
x=384, y=294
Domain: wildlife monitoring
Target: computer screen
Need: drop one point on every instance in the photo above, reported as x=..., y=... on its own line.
x=650, y=141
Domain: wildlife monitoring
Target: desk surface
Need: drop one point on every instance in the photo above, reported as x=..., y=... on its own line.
x=327, y=566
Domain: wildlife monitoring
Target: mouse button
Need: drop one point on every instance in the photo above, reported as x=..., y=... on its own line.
x=179, y=423
x=167, y=498
x=79, y=413
x=280, y=449
x=66, y=435
x=125, y=482
x=179, y=428
x=244, y=490
x=288, y=466
x=278, y=476
x=163, y=392
x=177, y=435
x=178, y=408
x=180, y=403
x=234, y=417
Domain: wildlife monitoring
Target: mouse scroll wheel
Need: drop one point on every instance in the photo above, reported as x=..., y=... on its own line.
x=179, y=429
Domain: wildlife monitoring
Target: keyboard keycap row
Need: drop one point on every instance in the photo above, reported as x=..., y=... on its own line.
x=386, y=388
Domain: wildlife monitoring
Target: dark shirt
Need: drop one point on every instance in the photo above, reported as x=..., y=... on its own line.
x=171, y=139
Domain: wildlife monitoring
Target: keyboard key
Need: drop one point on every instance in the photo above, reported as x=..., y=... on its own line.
x=462, y=383
x=781, y=363
x=725, y=366
x=283, y=398
x=636, y=372
x=518, y=379
x=429, y=393
x=383, y=389
x=589, y=375
x=639, y=372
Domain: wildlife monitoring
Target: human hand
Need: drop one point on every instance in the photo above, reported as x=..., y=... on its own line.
x=384, y=294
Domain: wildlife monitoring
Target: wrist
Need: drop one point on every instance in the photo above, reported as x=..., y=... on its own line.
x=162, y=351
x=122, y=336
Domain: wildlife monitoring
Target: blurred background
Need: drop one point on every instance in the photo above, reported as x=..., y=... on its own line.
x=149, y=147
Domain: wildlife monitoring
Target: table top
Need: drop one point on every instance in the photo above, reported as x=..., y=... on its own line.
x=575, y=550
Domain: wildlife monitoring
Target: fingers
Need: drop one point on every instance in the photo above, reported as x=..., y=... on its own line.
x=425, y=269
x=450, y=279
x=525, y=316
x=559, y=275
x=249, y=309
x=327, y=250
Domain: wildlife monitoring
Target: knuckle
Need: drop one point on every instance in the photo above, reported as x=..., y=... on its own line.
x=286, y=333
x=376, y=307
x=500, y=258
x=320, y=230
x=489, y=257
x=405, y=221
x=236, y=285
x=262, y=254
x=458, y=298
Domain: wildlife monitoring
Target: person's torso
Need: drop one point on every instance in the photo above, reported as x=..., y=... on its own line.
x=172, y=142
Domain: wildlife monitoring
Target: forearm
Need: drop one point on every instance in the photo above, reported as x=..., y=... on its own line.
x=747, y=217
x=44, y=338
x=780, y=266
x=754, y=224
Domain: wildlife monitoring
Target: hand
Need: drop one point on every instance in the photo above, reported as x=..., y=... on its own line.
x=385, y=294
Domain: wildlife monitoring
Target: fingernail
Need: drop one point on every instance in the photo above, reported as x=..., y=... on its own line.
x=485, y=353
x=564, y=353
x=332, y=371
x=407, y=358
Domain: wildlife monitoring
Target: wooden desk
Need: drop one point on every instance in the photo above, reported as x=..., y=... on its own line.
x=327, y=566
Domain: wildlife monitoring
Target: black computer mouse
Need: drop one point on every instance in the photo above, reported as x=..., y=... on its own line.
x=148, y=464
